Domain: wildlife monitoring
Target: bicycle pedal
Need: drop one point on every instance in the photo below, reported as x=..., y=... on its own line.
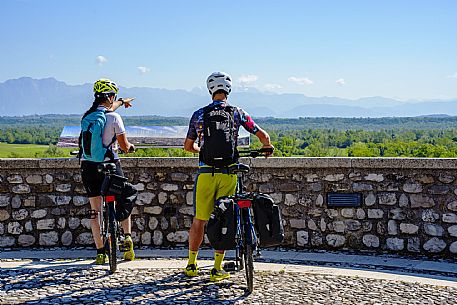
x=229, y=266
x=257, y=254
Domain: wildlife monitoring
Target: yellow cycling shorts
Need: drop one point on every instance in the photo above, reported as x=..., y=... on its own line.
x=208, y=188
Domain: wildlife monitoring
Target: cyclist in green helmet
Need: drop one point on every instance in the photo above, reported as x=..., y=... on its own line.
x=105, y=93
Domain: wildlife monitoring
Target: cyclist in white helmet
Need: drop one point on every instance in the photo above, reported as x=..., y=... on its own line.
x=216, y=145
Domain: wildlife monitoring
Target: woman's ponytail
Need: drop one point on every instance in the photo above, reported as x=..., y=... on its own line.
x=95, y=104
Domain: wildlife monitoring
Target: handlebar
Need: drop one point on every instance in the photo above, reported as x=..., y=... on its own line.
x=131, y=150
x=253, y=153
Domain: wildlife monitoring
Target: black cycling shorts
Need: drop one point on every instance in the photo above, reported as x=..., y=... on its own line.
x=92, y=179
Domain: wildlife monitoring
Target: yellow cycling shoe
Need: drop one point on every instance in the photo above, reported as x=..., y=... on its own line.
x=218, y=275
x=101, y=259
x=129, y=254
x=191, y=270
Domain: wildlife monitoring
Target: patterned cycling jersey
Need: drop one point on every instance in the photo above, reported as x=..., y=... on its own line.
x=241, y=118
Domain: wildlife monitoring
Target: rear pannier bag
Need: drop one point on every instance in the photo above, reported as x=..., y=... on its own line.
x=125, y=201
x=221, y=227
x=268, y=222
x=126, y=195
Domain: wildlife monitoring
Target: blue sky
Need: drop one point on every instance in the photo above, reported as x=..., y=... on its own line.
x=352, y=49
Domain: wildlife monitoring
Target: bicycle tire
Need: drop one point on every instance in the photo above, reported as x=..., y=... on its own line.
x=112, y=241
x=249, y=267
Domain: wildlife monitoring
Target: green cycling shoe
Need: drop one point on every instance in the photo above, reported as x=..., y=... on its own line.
x=129, y=254
x=218, y=275
x=100, y=259
x=191, y=270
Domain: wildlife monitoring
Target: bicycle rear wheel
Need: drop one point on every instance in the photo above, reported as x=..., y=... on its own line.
x=112, y=241
x=249, y=267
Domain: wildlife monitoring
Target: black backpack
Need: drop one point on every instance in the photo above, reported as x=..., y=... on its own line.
x=221, y=227
x=219, y=146
x=268, y=222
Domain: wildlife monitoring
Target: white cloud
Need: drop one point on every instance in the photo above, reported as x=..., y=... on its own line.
x=453, y=75
x=100, y=59
x=341, y=81
x=272, y=87
x=143, y=70
x=247, y=79
x=300, y=80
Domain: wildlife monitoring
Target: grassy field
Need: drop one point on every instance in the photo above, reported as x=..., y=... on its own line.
x=31, y=151
x=45, y=151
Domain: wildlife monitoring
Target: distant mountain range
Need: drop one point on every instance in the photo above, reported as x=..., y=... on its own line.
x=25, y=96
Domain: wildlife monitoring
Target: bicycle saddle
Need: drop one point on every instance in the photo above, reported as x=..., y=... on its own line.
x=239, y=168
x=106, y=168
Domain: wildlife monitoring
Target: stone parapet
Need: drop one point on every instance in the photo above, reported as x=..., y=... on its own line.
x=408, y=205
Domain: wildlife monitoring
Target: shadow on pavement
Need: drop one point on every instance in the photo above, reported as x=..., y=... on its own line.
x=39, y=278
x=449, y=275
x=74, y=285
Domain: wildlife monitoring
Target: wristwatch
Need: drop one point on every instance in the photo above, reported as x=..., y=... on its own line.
x=122, y=101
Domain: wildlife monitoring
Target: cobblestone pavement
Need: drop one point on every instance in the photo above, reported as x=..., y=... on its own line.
x=94, y=285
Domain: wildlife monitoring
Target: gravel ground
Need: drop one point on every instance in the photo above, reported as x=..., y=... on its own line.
x=169, y=286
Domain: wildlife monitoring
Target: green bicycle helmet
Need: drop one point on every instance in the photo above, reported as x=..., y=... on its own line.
x=105, y=86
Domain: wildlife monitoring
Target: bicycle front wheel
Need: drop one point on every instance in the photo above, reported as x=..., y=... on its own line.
x=249, y=267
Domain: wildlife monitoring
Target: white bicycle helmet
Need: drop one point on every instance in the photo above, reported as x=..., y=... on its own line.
x=219, y=81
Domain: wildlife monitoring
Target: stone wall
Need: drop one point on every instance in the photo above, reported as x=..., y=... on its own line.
x=408, y=206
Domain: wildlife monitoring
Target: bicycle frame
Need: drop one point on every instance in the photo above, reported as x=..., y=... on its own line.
x=245, y=227
x=244, y=213
x=103, y=217
x=109, y=226
x=246, y=239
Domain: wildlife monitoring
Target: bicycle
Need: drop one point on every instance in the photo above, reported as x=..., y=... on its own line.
x=109, y=226
x=246, y=237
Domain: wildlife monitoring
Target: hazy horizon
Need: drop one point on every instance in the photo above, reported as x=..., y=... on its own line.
x=352, y=49
x=241, y=89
